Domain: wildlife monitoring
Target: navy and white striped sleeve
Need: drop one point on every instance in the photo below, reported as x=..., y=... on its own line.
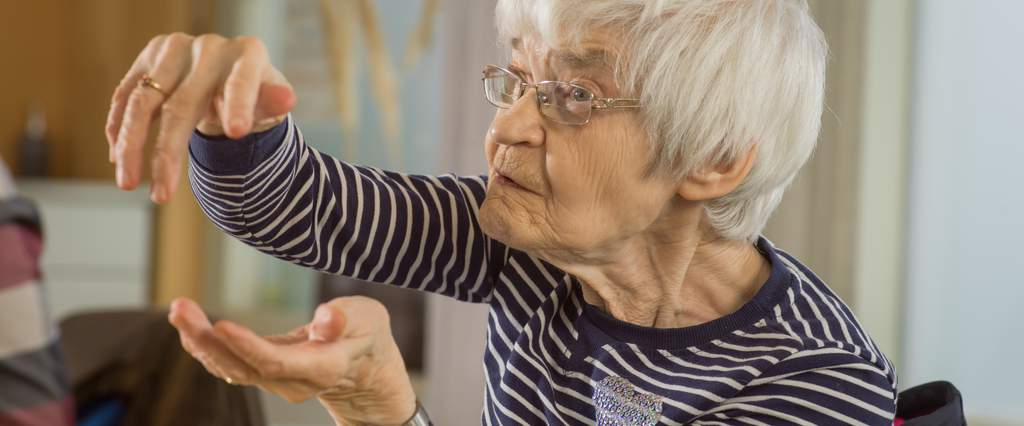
x=816, y=387
x=275, y=193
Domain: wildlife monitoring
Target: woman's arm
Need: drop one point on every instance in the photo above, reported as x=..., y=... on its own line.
x=275, y=193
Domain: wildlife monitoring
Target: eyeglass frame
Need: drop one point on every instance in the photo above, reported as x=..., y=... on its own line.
x=596, y=103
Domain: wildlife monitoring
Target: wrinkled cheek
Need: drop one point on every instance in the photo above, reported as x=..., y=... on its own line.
x=565, y=226
x=576, y=231
x=571, y=202
x=573, y=178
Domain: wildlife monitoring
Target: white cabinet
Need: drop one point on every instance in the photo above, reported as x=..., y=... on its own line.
x=97, y=244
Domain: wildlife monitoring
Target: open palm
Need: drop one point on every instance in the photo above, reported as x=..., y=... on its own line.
x=345, y=356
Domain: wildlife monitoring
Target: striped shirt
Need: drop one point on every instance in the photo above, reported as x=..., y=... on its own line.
x=793, y=354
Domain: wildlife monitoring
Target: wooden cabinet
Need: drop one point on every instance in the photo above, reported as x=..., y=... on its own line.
x=68, y=55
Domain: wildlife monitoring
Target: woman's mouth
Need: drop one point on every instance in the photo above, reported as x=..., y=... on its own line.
x=501, y=179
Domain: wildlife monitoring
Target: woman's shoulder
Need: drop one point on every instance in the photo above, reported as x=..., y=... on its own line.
x=827, y=330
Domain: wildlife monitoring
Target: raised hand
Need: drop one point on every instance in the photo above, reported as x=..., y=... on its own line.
x=220, y=86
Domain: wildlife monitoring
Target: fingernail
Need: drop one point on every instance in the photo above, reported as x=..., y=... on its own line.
x=156, y=194
x=224, y=324
x=323, y=315
x=321, y=319
x=315, y=335
x=237, y=125
x=119, y=175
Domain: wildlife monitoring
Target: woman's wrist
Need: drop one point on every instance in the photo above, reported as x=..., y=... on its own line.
x=376, y=388
x=419, y=417
x=412, y=413
x=342, y=418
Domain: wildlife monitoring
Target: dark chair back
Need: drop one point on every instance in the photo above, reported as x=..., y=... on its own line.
x=132, y=362
x=932, y=404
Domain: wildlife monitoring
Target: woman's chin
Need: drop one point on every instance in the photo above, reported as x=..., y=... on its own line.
x=493, y=223
x=497, y=223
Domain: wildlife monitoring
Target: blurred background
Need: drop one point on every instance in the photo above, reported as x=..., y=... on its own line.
x=911, y=207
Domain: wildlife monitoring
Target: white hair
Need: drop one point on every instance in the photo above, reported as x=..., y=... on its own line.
x=715, y=77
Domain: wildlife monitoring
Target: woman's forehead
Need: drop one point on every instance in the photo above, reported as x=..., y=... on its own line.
x=591, y=54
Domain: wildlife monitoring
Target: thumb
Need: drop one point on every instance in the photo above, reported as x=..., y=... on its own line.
x=327, y=325
x=274, y=100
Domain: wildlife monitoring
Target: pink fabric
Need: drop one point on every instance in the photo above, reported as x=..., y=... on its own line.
x=20, y=248
x=56, y=413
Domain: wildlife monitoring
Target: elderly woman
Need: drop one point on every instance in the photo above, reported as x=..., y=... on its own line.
x=637, y=151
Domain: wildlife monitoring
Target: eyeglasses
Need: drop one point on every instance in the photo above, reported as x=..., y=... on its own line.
x=562, y=102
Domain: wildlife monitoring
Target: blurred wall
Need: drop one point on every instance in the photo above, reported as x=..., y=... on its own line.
x=844, y=214
x=965, y=284
x=456, y=332
x=816, y=219
x=878, y=274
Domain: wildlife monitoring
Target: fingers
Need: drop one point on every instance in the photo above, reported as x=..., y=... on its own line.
x=363, y=316
x=198, y=338
x=228, y=82
x=237, y=338
x=142, y=105
x=276, y=97
x=182, y=111
x=272, y=106
x=317, y=356
x=327, y=325
x=117, y=107
x=120, y=98
x=321, y=364
x=242, y=87
x=297, y=335
x=139, y=112
x=269, y=360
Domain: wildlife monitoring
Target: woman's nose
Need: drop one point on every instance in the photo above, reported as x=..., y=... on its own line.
x=522, y=123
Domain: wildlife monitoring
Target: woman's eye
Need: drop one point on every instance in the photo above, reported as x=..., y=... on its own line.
x=580, y=94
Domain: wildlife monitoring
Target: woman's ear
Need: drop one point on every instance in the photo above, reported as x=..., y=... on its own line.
x=716, y=180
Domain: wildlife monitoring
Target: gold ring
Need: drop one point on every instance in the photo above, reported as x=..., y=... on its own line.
x=228, y=379
x=147, y=81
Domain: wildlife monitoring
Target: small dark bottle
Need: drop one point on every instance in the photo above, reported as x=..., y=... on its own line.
x=34, y=153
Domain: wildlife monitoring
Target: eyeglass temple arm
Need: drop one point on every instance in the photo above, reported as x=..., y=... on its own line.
x=608, y=103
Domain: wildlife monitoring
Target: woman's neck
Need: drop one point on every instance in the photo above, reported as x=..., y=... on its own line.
x=686, y=279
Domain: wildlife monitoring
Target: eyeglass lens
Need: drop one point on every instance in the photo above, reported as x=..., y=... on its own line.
x=562, y=102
